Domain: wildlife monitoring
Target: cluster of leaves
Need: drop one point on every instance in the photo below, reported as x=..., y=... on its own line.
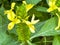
x=45, y=30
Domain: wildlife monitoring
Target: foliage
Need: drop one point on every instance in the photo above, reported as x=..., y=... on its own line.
x=31, y=22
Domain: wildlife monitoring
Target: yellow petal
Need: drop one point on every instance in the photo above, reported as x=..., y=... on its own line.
x=16, y=21
x=33, y=18
x=59, y=9
x=28, y=7
x=12, y=5
x=32, y=28
x=52, y=2
x=24, y=2
x=27, y=22
x=11, y=15
x=57, y=28
x=52, y=8
x=10, y=25
x=34, y=21
x=6, y=11
x=58, y=22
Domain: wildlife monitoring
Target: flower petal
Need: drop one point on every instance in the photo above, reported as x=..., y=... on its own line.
x=27, y=22
x=32, y=28
x=17, y=21
x=58, y=22
x=52, y=2
x=11, y=15
x=24, y=2
x=59, y=9
x=57, y=28
x=33, y=18
x=6, y=11
x=28, y=7
x=10, y=25
x=12, y=5
x=34, y=21
x=52, y=8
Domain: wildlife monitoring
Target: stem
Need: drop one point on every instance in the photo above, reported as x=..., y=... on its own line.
x=25, y=43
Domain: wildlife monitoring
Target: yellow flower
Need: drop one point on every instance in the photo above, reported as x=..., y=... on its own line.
x=52, y=5
x=12, y=23
x=12, y=17
x=28, y=6
x=58, y=22
x=31, y=24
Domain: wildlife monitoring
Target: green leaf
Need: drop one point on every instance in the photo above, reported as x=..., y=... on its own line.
x=1, y=10
x=48, y=29
x=56, y=40
x=33, y=1
x=5, y=39
x=42, y=9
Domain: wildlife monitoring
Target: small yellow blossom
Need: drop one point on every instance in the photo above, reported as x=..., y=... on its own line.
x=31, y=24
x=58, y=22
x=12, y=17
x=28, y=6
x=52, y=5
